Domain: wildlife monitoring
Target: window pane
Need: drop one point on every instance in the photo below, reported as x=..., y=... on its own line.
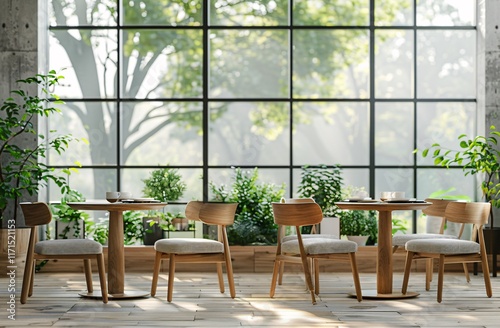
x=331, y=64
x=162, y=12
x=330, y=13
x=327, y=133
x=82, y=13
x=162, y=64
x=133, y=181
x=394, y=133
x=248, y=12
x=397, y=179
x=95, y=121
x=249, y=64
x=275, y=177
x=243, y=133
x=394, y=69
x=92, y=183
x=161, y=133
x=446, y=64
x=87, y=60
x=442, y=123
x=394, y=12
x=446, y=13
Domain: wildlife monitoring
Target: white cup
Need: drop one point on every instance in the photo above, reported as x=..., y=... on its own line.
x=392, y=195
x=112, y=196
x=125, y=195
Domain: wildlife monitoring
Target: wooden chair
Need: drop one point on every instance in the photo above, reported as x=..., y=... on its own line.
x=36, y=214
x=454, y=250
x=300, y=250
x=314, y=234
x=437, y=210
x=199, y=250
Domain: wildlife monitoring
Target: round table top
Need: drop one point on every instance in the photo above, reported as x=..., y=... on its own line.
x=383, y=206
x=118, y=206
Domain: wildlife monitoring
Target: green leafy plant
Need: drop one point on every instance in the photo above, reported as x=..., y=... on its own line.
x=97, y=231
x=21, y=170
x=164, y=185
x=254, y=220
x=73, y=218
x=359, y=223
x=324, y=185
x=478, y=155
x=133, y=228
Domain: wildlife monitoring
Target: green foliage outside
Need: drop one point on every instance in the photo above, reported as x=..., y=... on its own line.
x=21, y=169
x=477, y=155
x=254, y=220
x=73, y=218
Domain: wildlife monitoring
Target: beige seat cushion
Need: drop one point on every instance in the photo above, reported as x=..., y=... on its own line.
x=402, y=239
x=443, y=246
x=188, y=246
x=320, y=246
x=68, y=247
x=292, y=237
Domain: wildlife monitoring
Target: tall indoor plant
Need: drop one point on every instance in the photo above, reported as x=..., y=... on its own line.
x=22, y=171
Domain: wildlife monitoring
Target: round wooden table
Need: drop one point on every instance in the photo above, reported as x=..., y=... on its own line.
x=384, y=254
x=116, y=253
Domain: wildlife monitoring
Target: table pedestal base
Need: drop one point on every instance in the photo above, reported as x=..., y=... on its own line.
x=373, y=295
x=125, y=295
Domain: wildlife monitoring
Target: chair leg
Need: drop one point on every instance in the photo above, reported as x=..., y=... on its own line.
x=27, y=278
x=406, y=277
x=102, y=277
x=276, y=271
x=156, y=272
x=171, y=271
x=87, y=266
x=429, y=263
x=221, y=278
x=466, y=272
x=281, y=272
x=307, y=273
x=230, y=276
x=440, y=278
x=486, y=274
x=316, y=276
x=355, y=277
x=32, y=280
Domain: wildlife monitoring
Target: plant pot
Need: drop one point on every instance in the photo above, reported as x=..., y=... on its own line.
x=70, y=230
x=152, y=233
x=360, y=240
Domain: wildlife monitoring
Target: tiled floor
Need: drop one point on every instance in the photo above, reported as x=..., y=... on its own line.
x=198, y=303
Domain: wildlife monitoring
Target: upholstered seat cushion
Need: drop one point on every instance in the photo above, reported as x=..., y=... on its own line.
x=292, y=237
x=68, y=247
x=402, y=239
x=320, y=246
x=443, y=246
x=189, y=245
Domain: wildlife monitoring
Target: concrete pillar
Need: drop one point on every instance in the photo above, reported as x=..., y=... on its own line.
x=18, y=55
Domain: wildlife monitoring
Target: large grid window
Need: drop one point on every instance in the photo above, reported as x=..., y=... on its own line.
x=205, y=86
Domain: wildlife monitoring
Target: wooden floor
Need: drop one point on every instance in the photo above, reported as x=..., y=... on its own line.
x=198, y=303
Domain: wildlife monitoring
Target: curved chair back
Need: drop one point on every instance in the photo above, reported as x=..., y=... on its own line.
x=36, y=214
x=464, y=212
x=297, y=214
x=193, y=210
x=218, y=213
x=438, y=206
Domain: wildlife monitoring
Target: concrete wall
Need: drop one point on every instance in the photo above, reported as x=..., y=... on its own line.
x=18, y=52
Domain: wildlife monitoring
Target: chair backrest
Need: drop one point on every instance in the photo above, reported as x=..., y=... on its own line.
x=35, y=214
x=297, y=214
x=476, y=213
x=297, y=200
x=193, y=210
x=437, y=208
x=215, y=213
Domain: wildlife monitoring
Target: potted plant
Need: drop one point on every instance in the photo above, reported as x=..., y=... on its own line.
x=165, y=185
x=70, y=223
x=478, y=155
x=21, y=171
x=324, y=185
x=359, y=224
